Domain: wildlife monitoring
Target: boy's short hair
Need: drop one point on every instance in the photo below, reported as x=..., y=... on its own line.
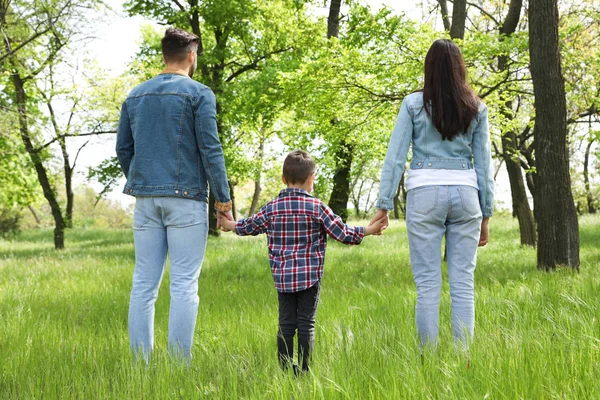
x=298, y=167
x=177, y=43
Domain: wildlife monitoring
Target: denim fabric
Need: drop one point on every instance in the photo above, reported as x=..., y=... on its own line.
x=431, y=212
x=429, y=151
x=180, y=227
x=167, y=140
x=297, y=311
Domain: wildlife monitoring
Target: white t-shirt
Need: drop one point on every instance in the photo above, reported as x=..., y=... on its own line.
x=441, y=177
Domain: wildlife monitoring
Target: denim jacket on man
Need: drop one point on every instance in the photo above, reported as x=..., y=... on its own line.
x=429, y=151
x=167, y=140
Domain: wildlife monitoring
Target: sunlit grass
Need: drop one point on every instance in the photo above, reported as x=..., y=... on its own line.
x=63, y=324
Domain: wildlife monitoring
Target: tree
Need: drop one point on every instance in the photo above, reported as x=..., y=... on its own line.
x=34, y=39
x=558, y=230
x=344, y=154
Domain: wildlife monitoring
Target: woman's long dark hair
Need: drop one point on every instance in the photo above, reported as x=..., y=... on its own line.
x=447, y=97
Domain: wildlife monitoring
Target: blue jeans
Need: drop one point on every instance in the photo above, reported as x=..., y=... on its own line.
x=180, y=227
x=431, y=212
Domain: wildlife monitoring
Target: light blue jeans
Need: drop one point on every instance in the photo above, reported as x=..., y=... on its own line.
x=431, y=212
x=178, y=226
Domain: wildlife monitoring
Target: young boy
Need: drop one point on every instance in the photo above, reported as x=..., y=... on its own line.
x=297, y=225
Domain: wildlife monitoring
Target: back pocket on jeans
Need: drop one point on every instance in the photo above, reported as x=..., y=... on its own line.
x=469, y=197
x=424, y=200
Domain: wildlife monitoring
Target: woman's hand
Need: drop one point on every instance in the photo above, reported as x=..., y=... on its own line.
x=485, y=234
x=380, y=215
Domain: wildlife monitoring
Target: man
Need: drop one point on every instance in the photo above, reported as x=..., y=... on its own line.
x=168, y=148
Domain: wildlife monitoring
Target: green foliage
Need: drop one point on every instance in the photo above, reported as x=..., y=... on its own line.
x=64, y=316
x=9, y=223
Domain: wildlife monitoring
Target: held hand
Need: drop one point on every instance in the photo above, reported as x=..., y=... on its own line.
x=380, y=215
x=225, y=221
x=485, y=234
x=376, y=227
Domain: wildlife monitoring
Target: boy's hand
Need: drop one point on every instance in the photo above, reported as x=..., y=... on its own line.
x=380, y=216
x=376, y=227
x=225, y=221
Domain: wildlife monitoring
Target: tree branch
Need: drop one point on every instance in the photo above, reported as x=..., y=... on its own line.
x=254, y=64
x=59, y=137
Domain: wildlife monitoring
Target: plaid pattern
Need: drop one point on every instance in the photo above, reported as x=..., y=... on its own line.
x=297, y=225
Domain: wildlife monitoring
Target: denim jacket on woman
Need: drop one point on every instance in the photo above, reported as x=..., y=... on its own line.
x=167, y=140
x=467, y=150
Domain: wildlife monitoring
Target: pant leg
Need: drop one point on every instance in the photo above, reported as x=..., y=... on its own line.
x=187, y=232
x=150, y=255
x=462, y=238
x=288, y=306
x=426, y=212
x=308, y=301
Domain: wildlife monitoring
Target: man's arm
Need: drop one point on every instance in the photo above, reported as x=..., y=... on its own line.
x=124, y=147
x=211, y=151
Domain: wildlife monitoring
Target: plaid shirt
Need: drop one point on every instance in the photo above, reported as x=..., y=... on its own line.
x=297, y=225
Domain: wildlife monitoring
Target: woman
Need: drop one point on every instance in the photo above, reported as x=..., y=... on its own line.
x=450, y=187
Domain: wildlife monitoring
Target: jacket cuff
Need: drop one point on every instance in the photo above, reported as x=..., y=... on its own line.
x=487, y=212
x=384, y=204
x=223, y=207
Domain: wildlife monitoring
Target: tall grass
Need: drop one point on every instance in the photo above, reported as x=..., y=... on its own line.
x=63, y=324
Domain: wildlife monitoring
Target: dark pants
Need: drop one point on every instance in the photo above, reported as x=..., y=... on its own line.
x=297, y=311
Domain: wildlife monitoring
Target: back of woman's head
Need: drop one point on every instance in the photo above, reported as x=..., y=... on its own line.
x=447, y=97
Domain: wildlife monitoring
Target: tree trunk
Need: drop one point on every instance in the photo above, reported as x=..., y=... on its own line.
x=257, y=176
x=341, y=180
x=212, y=216
x=232, y=196
x=68, y=170
x=558, y=228
x=520, y=203
x=586, y=177
x=459, y=17
x=49, y=194
x=445, y=16
x=400, y=192
x=38, y=221
x=333, y=21
x=343, y=155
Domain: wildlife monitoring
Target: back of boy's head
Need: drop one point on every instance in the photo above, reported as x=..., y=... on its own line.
x=298, y=167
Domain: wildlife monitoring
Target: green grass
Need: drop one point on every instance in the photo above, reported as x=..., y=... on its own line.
x=63, y=324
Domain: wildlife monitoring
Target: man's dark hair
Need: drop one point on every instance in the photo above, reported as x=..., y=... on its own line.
x=177, y=43
x=298, y=167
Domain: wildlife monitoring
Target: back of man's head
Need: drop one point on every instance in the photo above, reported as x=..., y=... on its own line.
x=177, y=43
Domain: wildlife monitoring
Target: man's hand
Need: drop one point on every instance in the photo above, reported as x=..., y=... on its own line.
x=485, y=234
x=225, y=221
x=380, y=215
x=376, y=227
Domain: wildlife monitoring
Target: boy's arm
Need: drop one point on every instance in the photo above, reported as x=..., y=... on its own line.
x=338, y=230
x=254, y=225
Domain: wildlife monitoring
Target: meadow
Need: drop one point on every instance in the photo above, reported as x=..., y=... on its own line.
x=63, y=324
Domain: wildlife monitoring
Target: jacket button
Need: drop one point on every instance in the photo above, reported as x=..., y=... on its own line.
x=429, y=164
x=419, y=164
x=464, y=166
x=130, y=190
x=185, y=193
x=177, y=192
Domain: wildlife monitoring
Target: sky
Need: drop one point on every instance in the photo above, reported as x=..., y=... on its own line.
x=117, y=40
